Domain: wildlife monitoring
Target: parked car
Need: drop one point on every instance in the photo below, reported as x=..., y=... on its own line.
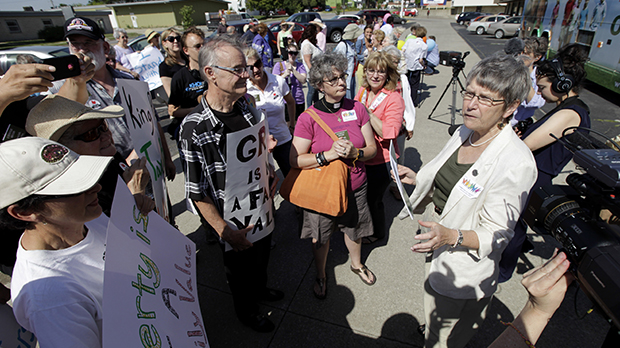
x=279, y=12
x=481, y=26
x=328, y=8
x=38, y=53
x=408, y=12
x=376, y=13
x=509, y=27
x=467, y=16
x=335, y=27
x=349, y=17
x=298, y=29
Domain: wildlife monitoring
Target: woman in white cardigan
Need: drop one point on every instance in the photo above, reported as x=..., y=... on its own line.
x=479, y=185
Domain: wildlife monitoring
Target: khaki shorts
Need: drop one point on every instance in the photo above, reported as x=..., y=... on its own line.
x=356, y=222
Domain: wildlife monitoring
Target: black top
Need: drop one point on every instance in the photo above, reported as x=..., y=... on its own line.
x=185, y=88
x=108, y=183
x=166, y=70
x=13, y=119
x=325, y=106
x=233, y=121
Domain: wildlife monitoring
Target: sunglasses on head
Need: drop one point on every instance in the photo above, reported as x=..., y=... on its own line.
x=92, y=134
x=173, y=38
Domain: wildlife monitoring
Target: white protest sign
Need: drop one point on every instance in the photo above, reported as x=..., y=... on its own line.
x=248, y=200
x=142, y=124
x=150, y=298
x=401, y=189
x=11, y=333
x=146, y=64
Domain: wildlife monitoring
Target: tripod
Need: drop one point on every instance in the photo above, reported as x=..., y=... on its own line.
x=457, y=68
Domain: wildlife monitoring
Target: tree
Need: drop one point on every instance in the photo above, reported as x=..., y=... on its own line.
x=186, y=16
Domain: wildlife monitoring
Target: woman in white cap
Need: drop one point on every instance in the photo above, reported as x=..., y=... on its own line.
x=57, y=286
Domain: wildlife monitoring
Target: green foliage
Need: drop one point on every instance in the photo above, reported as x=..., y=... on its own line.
x=186, y=16
x=51, y=34
x=292, y=6
x=338, y=8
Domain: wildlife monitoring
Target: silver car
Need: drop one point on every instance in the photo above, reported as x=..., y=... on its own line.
x=509, y=27
x=35, y=53
x=481, y=26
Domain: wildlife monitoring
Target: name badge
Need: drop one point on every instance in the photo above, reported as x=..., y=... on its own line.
x=257, y=98
x=469, y=188
x=349, y=116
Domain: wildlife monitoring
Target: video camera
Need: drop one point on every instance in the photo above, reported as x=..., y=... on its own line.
x=572, y=215
x=453, y=58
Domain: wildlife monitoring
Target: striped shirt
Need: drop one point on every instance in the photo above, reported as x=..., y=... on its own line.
x=202, y=148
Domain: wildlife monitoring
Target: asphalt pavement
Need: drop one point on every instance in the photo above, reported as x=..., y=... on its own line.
x=388, y=313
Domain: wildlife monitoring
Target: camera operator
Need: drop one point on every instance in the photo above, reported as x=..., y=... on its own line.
x=558, y=82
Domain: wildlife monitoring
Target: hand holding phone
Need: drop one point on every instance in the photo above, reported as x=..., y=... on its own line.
x=66, y=66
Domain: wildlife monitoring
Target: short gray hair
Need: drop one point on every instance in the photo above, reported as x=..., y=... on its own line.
x=322, y=66
x=209, y=52
x=392, y=51
x=118, y=32
x=249, y=52
x=502, y=74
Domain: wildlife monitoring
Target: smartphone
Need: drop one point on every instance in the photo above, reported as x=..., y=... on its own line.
x=66, y=66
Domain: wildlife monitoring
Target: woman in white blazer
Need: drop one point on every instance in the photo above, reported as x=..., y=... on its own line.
x=473, y=193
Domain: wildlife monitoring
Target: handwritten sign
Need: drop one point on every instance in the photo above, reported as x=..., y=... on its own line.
x=142, y=124
x=401, y=189
x=248, y=200
x=11, y=333
x=150, y=298
x=146, y=64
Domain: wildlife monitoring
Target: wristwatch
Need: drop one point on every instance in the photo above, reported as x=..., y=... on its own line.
x=360, y=153
x=459, y=240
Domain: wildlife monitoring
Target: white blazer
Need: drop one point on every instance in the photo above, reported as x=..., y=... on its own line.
x=488, y=199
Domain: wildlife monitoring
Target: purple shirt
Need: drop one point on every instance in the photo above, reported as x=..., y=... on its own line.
x=292, y=81
x=351, y=117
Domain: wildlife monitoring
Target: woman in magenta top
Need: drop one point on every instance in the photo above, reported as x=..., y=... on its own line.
x=313, y=147
x=386, y=108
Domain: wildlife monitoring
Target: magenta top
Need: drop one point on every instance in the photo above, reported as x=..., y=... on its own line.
x=350, y=118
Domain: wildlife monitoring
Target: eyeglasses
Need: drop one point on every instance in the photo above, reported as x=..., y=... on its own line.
x=237, y=71
x=122, y=37
x=335, y=79
x=257, y=65
x=198, y=46
x=293, y=52
x=93, y=134
x=371, y=72
x=481, y=99
x=173, y=38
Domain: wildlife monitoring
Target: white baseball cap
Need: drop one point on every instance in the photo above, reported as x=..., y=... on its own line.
x=43, y=167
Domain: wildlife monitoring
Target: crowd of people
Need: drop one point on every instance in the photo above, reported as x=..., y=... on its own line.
x=65, y=143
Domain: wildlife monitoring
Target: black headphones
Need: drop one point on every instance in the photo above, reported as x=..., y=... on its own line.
x=562, y=83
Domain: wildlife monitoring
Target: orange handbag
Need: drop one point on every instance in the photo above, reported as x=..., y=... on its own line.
x=321, y=189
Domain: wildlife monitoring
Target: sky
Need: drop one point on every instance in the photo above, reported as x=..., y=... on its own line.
x=37, y=5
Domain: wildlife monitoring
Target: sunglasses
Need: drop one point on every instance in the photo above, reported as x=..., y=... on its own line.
x=293, y=52
x=93, y=134
x=173, y=38
x=257, y=65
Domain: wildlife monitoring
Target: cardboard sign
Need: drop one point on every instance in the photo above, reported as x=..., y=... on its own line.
x=248, y=200
x=11, y=333
x=142, y=124
x=150, y=297
x=399, y=184
x=146, y=64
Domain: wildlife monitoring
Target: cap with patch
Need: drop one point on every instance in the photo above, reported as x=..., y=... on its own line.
x=54, y=114
x=83, y=26
x=39, y=166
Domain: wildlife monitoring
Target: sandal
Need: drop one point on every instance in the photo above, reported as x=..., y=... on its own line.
x=366, y=272
x=321, y=283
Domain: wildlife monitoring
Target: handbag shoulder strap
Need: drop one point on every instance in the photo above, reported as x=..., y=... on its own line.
x=322, y=123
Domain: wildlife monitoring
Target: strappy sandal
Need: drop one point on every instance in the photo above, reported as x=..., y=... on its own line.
x=322, y=286
x=366, y=272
